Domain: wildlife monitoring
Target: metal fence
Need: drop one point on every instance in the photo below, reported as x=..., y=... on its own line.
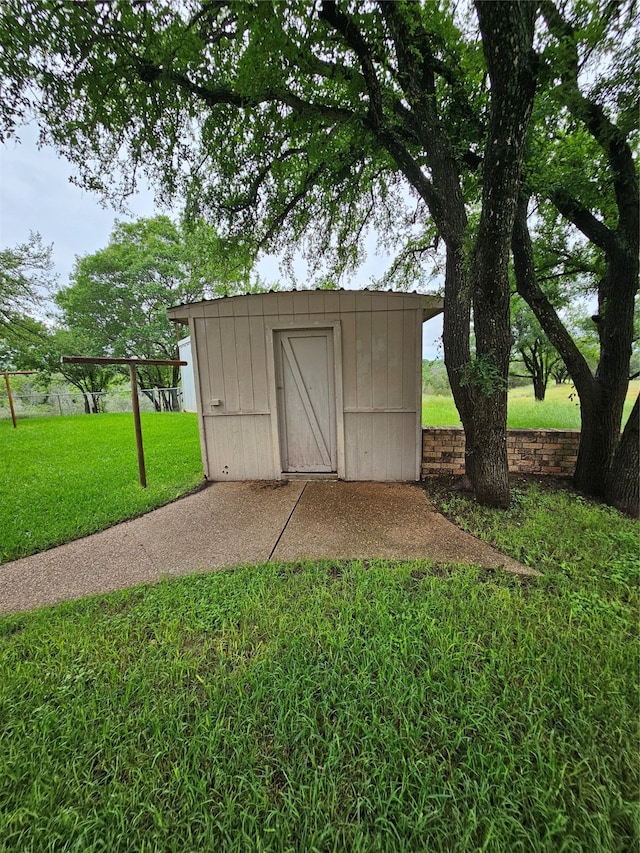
x=54, y=403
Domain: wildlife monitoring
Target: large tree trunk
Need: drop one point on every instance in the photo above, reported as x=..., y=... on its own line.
x=601, y=396
x=507, y=38
x=507, y=30
x=457, y=352
x=602, y=412
x=622, y=489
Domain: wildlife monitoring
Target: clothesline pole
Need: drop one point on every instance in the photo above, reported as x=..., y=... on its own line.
x=135, y=403
x=7, y=374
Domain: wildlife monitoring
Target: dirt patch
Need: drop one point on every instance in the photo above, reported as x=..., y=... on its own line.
x=447, y=485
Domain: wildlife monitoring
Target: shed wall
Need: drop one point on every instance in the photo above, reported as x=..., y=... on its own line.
x=379, y=341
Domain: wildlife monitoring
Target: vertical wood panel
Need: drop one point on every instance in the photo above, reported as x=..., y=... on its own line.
x=411, y=456
x=349, y=371
x=395, y=329
x=255, y=305
x=301, y=304
x=213, y=362
x=265, y=468
x=284, y=303
x=236, y=447
x=364, y=438
x=199, y=347
x=219, y=455
x=259, y=364
x=208, y=309
x=387, y=433
x=240, y=306
x=250, y=455
x=344, y=300
x=409, y=360
x=350, y=446
x=379, y=446
x=231, y=396
x=271, y=304
x=364, y=396
x=245, y=364
x=379, y=359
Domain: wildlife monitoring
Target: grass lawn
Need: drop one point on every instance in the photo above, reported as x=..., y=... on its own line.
x=64, y=477
x=557, y=411
x=339, y=706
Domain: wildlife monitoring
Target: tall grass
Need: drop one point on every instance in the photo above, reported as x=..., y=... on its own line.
x=64, y=477
x=339, y=706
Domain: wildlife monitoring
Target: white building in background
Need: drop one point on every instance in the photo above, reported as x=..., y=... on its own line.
x=187, y=377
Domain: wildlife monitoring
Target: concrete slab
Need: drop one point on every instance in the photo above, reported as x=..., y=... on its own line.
x=230, y=524
x=396, y=521
x=225, y=524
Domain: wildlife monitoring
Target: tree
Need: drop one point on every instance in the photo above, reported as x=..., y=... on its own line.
x=43, y=351
x=25, y=271
x=21, y=343
x=596, y=130
x=532, y=347
x=300, y=121
x=118, y=296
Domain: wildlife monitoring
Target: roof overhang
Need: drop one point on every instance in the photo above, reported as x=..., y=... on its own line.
x=431, y=306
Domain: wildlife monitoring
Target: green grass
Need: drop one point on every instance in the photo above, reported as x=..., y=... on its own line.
x=64, y=477
x=339, y=706
x=557, y=411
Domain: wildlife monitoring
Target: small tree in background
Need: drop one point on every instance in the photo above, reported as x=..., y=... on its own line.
x=118, y=296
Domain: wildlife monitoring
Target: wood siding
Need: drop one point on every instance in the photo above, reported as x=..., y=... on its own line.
x=377, y=346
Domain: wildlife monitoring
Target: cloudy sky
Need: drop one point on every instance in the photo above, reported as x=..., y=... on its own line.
x=36, y=195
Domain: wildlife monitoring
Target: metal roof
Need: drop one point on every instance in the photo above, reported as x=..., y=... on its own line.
x=432, y=304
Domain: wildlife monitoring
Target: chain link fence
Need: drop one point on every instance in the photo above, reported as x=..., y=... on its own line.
x=117, y=400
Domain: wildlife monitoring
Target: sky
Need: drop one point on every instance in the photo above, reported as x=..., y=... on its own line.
x=37, y=195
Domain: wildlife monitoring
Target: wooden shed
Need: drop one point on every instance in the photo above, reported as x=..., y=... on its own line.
x=309, y=383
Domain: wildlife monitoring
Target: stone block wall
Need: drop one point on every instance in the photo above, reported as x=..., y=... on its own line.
x=530, y=451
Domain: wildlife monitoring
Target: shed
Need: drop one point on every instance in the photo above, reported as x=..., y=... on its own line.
x=309, y=383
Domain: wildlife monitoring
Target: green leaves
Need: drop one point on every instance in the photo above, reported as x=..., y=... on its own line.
x=25, y=271
x=119, y=295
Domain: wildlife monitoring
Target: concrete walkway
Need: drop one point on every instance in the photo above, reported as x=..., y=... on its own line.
x=228, y=524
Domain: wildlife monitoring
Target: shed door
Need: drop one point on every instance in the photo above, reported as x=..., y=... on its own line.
x=305, y=383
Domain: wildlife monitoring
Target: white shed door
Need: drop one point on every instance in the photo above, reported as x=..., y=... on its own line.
x=305, y=384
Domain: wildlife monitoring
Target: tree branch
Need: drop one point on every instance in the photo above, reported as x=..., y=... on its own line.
x=602, y=129
x=354, y=39
x=582, y=218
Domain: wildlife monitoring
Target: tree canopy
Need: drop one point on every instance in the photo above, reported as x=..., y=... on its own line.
x=118, y=296
x=25, y=274
x=304, y=124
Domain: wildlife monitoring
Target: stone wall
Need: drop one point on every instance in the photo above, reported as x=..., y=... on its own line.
x=530, y=451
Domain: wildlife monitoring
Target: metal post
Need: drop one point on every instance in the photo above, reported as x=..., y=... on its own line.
x=13, y=411
x=135, y=405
